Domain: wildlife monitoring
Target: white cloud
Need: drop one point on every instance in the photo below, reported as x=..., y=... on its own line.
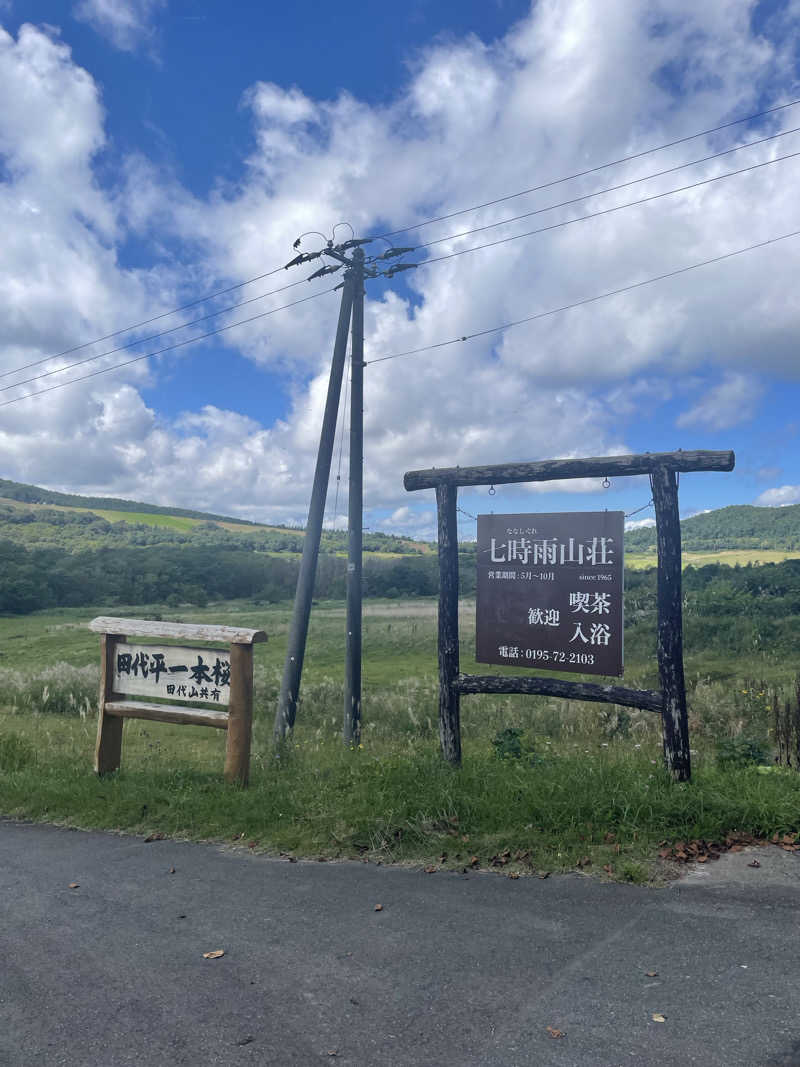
x=126, y=23
x=570, y=85
x=778, y=497
x=733, y=401
x=639, y=524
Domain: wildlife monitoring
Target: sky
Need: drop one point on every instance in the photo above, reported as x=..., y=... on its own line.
x=153, y=152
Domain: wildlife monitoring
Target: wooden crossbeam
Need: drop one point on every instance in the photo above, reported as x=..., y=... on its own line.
x=134, y=709
x=647, y=699
x=549, y=470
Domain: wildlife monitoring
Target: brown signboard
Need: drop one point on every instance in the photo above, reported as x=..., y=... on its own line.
x=549, y=592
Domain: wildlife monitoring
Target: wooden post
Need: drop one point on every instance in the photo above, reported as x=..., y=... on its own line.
x=108, y=752
x=449, y=697
x=240, y=715
x=670, y=624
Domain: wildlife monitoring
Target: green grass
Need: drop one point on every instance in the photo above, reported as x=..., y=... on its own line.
x=730, y=556
x=390, y=801
x=589, y=786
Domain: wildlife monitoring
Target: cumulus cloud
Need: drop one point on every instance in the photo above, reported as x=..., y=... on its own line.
x=778, y=497
x=569, y=85
x=733, y=401
x=127, y=24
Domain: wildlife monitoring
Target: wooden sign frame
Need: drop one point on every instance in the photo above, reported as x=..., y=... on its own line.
x=663, y=469
x=114, y=707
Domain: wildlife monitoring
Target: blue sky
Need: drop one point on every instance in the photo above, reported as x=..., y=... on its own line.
x=153, y=151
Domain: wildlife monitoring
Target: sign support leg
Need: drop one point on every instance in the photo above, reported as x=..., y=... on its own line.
x=449, y=698
x=108, y=753
x=240, y=715
x=670, y=625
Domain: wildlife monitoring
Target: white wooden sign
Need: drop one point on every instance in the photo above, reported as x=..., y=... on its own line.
x=191, y=675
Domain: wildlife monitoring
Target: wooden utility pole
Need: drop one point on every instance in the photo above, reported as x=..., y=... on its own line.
x=298, y=632
x=351, y=730
x=357, y=268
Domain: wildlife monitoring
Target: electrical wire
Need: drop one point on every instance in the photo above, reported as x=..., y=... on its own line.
x=418, y=225
x=145, y=322
x=611, y=189
x=609, y=210
x=142, y=340
x=438, y=259
x=168, y=348
x=588, y=299
x=591, y=170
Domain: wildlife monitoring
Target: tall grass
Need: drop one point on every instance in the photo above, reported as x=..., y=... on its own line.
x=585, y=786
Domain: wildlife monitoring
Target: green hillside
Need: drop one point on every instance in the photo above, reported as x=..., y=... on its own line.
x=740, y=526
x=33, y=494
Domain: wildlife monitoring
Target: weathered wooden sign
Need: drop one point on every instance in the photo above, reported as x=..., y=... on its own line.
x=663, y=469
x=193, y=675
x=181, y=684
x=549, y=591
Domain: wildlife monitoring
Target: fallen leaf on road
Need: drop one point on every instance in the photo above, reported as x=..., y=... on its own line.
x=172, y=870
x=754, y=863
x=215, y=955
x=514, y=874
x=74, y=885
x=553, y=1032
x=657, y=1017
x=156, y=836
x=651, y=974
x=431, y=870
x=379, y=907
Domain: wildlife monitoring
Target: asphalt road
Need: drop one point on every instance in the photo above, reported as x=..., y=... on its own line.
x=454, y=971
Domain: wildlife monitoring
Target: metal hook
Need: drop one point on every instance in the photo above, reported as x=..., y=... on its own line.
x=606, y=483
x=492, y=490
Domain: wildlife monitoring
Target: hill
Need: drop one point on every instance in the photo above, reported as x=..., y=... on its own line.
x=34, y=494
x=740, y=526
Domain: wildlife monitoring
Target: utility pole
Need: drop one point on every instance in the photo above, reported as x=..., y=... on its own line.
x=298, y=632
x=352, y=305
x=351, y=730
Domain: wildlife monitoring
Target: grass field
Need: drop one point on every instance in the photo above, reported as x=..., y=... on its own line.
x=732, y=557
x=580, y=786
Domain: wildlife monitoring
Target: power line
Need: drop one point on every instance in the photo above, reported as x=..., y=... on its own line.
x=591, y=170
x=613, y=188
x=440, y=218
x=168, y=348
x=138, y=341
x=589, y=299
x=438, y=259
x=428, y=262
x=146, y=322
x=610, y=210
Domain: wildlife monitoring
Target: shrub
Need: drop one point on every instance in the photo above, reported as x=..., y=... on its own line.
x=743, y=751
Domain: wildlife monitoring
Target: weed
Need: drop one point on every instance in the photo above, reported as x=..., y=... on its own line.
x=16, y=752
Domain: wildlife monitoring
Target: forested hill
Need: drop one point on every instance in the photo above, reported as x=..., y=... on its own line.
x=63, y=550
x=33, y=494
x=738, y=526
